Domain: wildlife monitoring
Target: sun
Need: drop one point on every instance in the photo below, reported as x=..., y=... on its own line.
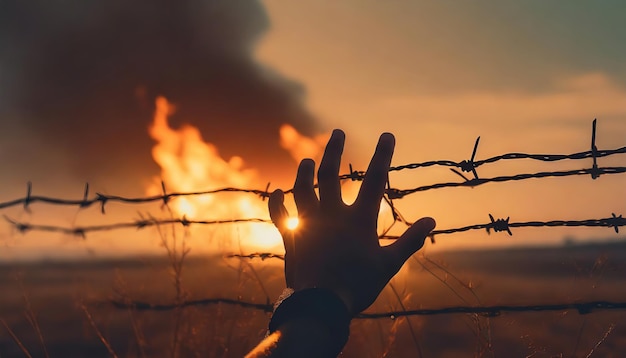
x=292, y=223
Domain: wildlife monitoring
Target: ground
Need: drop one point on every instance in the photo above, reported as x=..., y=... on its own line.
x=68, y=302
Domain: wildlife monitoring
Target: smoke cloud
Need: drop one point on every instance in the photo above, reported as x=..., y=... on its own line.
x=80, y=77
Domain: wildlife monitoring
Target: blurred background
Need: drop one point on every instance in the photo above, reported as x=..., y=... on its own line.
x=250, y=87
x=202, y=95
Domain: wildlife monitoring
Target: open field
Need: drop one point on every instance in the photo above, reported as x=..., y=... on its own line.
x=68, y=304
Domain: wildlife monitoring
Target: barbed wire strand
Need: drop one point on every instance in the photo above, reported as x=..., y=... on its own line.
x=138, y=224
x=491, y=311
x=497, y=225
x=258, y=255
x=393, y=193
x=400, y=193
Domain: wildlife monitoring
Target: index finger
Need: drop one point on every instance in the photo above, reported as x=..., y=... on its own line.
x=373, y=187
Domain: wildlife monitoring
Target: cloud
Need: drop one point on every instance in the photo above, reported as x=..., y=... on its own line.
x=582, y=97
x=84, y=77
x=445, y=126
x=556, y=119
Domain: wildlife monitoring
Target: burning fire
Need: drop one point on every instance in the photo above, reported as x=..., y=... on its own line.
x=190, y=164
x=300, y=146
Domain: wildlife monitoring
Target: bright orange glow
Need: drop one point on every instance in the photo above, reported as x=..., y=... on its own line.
x=292, y=223
x=301, y=146
x=189, y=164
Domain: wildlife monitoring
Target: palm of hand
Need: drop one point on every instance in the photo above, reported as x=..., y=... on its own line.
x=335, y=245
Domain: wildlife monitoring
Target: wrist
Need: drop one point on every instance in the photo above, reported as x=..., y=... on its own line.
x=344, y=295
x=347, y=300
x=323, y=306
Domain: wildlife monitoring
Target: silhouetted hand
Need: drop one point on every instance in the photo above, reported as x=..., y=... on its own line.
x=335, y=245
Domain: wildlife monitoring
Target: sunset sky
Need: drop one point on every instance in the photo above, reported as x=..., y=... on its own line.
x=525, y=76
x=78, y=85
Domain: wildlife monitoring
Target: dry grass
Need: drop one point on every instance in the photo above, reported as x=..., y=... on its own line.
x=55, y=292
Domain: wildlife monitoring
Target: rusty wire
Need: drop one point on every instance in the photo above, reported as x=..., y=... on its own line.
x=392, y=193
x=137, y=224
x=489, y=311
x=496, y=225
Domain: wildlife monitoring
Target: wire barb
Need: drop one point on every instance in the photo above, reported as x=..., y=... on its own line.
x=103, y=201
x=86, y=202
x=21, y=227
x=469, y=165
x=499, y=225
x=462, y=176
x=354, y=175
x=616, y=222
x=266, y=193
x=595, y=173
x=27, y=199
x=165, y=197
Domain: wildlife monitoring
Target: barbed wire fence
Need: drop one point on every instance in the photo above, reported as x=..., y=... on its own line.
x=471, y=165
x=488, y=311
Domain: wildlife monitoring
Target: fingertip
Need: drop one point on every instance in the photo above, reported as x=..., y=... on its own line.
x=338, y=133
x=422, y=228
x=386, y=145
x=388, y=137
x=427, y=223
x=277, y=196
x=338, y=138
x=307, y=163
x=278, y=212
x=413, y=239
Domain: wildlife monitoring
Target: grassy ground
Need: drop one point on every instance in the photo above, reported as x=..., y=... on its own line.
x=66, y=303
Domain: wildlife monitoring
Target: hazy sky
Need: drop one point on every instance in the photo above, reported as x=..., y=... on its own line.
x=77, y=85
x=527, y=76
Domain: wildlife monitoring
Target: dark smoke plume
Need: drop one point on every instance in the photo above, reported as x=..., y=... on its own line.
x=83, y=75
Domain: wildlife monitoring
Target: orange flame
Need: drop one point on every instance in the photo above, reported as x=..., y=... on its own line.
x=300, y=146
x=189, y=164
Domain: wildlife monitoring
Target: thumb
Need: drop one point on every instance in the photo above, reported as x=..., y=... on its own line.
x=411, y=241
x=279, y=215
x=278, y=212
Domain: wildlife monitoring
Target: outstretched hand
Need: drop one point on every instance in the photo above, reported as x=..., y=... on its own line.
x=335, y=245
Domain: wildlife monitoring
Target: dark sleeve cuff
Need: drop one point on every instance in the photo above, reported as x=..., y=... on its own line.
x=320, y=304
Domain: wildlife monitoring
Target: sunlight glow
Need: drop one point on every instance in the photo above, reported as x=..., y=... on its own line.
x=292, y=223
